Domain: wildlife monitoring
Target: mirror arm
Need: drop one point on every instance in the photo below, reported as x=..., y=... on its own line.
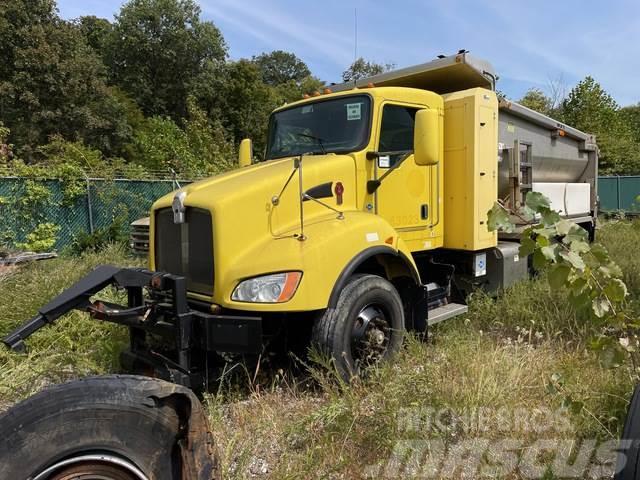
x=372, y=185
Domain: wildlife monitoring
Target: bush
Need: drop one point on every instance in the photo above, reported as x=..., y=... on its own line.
x=115, y=233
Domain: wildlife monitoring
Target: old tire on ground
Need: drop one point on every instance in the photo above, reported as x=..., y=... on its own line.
x=116, y=427
x=628, y=464
x=365, y=328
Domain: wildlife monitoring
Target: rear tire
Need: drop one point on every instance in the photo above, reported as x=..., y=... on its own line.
x=365, y=328
x=105, y=427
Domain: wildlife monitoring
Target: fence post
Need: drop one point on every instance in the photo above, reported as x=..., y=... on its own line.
x=619, y=206
x=89, y=203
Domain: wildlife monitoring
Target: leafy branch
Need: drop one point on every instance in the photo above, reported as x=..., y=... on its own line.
x=561, y=248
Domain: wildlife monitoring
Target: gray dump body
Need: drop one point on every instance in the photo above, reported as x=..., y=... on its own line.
x=557, y=153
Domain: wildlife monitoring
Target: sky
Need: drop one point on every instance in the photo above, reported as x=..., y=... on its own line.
x=530, y=44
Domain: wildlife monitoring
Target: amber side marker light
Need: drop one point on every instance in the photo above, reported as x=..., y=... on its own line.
x=290, y=286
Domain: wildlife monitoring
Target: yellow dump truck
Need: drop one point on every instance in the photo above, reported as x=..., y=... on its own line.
x=365, y=217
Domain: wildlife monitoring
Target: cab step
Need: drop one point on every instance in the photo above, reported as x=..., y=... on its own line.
x=446, y=312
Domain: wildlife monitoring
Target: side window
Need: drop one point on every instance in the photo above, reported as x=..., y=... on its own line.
x=396, y=132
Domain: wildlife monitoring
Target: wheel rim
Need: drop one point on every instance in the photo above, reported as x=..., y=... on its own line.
x=92, y=467
x=371, y=335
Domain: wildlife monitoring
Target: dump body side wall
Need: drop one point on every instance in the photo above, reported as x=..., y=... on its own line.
x=555, y=158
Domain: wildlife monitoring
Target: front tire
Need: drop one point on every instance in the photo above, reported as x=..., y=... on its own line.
x=365, y=328
x=117, y=427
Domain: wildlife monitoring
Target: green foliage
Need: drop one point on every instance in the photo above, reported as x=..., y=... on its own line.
x=42, y=239
x=114, y=234
x=585, y=272
x=362, y=68
x=280, y=67
x=6, y=150
x=631, y=116
x=51, y=81
x=157, y=48
x=591, y=109
x=96, y=32
x=536, y=100
x=74, y=344
x=247, y=102
x=200, y=148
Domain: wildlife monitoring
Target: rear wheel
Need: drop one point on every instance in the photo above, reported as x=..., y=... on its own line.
x=118, y=427
x=366, y=327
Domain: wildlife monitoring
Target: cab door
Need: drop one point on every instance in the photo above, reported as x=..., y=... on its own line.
x=402, y=197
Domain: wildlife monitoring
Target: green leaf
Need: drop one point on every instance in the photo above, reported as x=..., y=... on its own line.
x=550, y=217
x=579, y=246
x=600, y=306
x=580, y=300
x=498, y=219
x=563, y=227
x=546, y=232
x=616, y=290
x=528, y=214
x=549, y=252
x=576, y=233
x=578, y=286
x=558, y=276
x=610, y=270
x=539, y=260
x=574, y=259
x=600, y=252
x=527, y=246
x=542, y=241
x=536, y=200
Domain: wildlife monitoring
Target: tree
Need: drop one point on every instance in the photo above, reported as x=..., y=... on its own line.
x=361, y=68
x=51, y=81
x=280, y=67
x=96, y=32
x=591, y=109
x=631, y=117
x=156, y=49
x=201, y=148
x=536, y=100
x=246, y=102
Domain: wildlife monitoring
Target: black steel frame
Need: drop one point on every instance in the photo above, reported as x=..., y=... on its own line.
x=157, y=304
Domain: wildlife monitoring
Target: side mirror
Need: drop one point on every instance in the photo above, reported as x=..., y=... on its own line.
x=426, y=137
x=245, y=153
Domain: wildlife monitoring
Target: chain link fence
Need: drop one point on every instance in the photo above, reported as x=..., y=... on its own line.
x=76, y=207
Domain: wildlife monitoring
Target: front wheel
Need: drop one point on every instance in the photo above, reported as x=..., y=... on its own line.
x=364, y=329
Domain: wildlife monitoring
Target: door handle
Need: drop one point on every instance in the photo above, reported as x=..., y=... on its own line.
x=424, y=211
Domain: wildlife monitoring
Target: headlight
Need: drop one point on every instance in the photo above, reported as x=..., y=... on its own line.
x=274, y=288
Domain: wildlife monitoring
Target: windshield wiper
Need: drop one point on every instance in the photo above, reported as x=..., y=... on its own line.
x=318, y=140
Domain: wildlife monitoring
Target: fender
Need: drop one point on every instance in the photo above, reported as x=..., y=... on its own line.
x=359, y=259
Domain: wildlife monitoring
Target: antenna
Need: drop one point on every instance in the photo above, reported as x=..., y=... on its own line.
x=355, y=47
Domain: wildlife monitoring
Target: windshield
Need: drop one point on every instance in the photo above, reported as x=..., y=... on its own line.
x=336, y=125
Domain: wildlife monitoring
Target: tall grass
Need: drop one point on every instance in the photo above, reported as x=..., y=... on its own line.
x=73, y=346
